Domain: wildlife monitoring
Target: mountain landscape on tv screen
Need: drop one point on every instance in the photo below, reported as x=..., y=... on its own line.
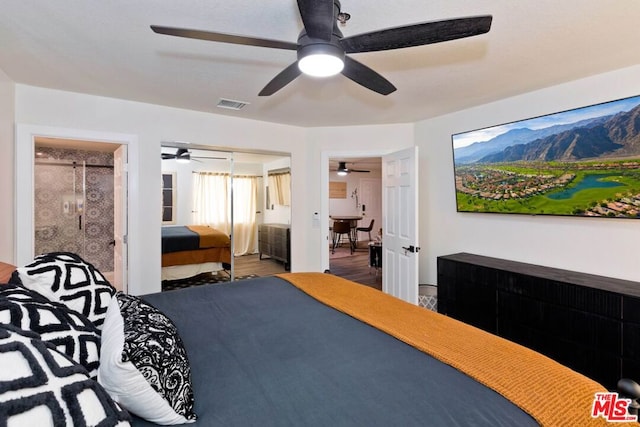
x=590, y=167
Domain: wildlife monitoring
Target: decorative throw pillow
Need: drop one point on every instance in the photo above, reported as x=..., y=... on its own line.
x=40, y=386
x=67, y=278
x=143, y=362
x=70, y=332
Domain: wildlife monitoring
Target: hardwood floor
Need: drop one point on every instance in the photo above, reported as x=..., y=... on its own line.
x=356, y=267
x=353, y=267
x=252, y=264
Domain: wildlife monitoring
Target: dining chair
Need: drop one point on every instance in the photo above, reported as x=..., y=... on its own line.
x=341, y=228
x=366, y=229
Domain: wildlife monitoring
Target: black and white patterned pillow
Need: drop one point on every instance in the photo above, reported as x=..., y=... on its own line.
x=67, y=278
x=40, y=386
x=70, y=332
x=143, y=362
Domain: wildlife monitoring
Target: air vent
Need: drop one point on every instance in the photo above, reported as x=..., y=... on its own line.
x=230, y=104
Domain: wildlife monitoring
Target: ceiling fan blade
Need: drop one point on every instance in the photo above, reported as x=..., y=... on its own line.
x=285, y=77
x=417, y=35
x=224, y=38
x=317, y=17
x=167, y=156
x=366, y=77
x=359, y=170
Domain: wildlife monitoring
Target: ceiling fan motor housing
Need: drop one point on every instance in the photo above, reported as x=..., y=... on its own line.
x=320, y=47
x=330, y=49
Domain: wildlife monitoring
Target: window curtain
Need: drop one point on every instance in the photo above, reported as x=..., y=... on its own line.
x=212, y=207
x=280, y=188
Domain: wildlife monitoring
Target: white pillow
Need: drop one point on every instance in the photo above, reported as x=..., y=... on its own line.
x=134, y=336
x=69, y=331
x=40, y=386
x=67, y=278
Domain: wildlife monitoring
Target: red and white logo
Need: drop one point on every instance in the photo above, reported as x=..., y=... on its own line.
x=612, y=408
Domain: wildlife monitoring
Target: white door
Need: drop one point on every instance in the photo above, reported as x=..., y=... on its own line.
x=400, y=224
x=120, y=218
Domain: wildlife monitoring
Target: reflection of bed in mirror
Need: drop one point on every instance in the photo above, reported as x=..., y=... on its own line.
x=193, y=249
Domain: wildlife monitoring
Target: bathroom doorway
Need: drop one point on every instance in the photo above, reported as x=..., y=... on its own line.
x=75, y=205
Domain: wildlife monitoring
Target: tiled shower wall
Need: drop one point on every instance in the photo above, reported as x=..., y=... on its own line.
x=58, y=226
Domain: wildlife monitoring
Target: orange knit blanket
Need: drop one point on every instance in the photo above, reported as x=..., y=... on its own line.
x=210, y=237
x=551, y=393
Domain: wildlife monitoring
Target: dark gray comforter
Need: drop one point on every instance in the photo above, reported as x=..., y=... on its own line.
x=179, y=238
x=263, y=353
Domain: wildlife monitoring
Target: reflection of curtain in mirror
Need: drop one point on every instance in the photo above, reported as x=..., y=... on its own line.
x=280, y=188
x=211, y=206
x=245, y=191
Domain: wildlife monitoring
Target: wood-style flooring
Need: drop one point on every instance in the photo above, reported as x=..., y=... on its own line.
x=353, y=267
x=252, y=264
x=356, y=267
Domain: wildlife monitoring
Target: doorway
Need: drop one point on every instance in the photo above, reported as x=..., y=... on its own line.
x=399, y=244
x=74, y=202
x=122, y=144
x=355, y=198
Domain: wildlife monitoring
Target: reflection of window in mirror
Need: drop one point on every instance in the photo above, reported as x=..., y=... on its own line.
x=168, y=198
x=279, y=187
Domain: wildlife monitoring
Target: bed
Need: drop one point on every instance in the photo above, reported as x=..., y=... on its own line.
x=295, y=349
x=193, y=249
x=313, y=349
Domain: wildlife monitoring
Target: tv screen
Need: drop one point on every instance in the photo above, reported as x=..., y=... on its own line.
x=581, y=162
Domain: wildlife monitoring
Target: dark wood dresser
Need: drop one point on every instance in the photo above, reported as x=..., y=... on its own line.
x=274, y=241
x=589, y=323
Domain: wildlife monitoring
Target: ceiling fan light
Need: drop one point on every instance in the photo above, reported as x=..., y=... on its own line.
x=321, y=65
x=320, y=60
x=182, y=159
x=342, y=173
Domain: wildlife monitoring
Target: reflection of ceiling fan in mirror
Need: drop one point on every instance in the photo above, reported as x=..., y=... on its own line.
x=183, y=155
x=344, y=170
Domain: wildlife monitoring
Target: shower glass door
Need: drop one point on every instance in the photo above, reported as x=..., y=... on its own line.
x=74, y=204
x=59, y=206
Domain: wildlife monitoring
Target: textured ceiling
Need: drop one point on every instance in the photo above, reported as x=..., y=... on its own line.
x=107, y=48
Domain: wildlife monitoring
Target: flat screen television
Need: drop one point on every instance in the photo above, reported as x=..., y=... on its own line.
x=581, y=162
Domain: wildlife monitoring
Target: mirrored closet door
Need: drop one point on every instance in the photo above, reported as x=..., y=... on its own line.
x=216, y=206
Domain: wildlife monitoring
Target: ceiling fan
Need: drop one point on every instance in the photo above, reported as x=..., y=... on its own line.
x=183, y=155
x=344, y=170
x=321, y=47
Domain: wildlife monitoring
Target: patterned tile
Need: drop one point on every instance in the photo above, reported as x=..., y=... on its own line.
x=58, y=227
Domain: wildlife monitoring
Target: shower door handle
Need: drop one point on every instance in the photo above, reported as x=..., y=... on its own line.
x=79, y=222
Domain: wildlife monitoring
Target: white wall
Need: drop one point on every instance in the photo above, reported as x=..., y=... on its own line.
x=7, y=172
x=346, y=206
x=153, y=124
x=607, y=247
